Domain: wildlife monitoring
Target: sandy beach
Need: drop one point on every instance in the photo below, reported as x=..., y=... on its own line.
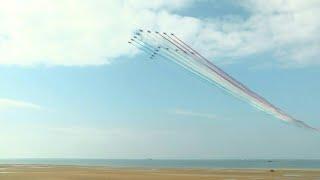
x=30, y=172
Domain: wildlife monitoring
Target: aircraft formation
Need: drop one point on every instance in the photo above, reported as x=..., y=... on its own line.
x=170, y=47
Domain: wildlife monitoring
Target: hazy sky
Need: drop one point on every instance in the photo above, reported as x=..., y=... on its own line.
x=71, y=86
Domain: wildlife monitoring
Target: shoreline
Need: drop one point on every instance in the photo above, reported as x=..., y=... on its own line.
x=65, y=172
x=175, y=164
x=151, y=168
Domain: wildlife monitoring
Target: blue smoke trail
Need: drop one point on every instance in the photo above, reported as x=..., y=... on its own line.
x=172, y=48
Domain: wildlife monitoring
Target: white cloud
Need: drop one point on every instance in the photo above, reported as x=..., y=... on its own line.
x=72, y=32
x=158, y=4
x=183, y=112
x=95, y=32
x=287, y=29
x=10, y=103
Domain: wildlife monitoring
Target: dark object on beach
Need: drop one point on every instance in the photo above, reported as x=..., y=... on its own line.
x=272, y=170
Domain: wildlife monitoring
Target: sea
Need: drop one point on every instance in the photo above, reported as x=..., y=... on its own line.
x=157, y=163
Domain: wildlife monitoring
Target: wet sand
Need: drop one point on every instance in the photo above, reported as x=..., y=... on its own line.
x=29, y=172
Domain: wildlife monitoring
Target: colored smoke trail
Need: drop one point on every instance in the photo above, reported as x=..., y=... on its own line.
x=170, y=47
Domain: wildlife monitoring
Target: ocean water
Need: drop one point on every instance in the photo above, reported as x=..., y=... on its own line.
x=150, y=163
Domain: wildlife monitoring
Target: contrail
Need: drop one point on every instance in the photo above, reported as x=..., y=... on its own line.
x=170, y=47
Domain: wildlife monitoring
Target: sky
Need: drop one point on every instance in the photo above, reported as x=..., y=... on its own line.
x=72, y=87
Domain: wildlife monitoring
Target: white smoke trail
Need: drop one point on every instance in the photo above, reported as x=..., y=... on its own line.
x=174, y=49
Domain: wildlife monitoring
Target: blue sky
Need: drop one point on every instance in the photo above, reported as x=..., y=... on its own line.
x=72, y=87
